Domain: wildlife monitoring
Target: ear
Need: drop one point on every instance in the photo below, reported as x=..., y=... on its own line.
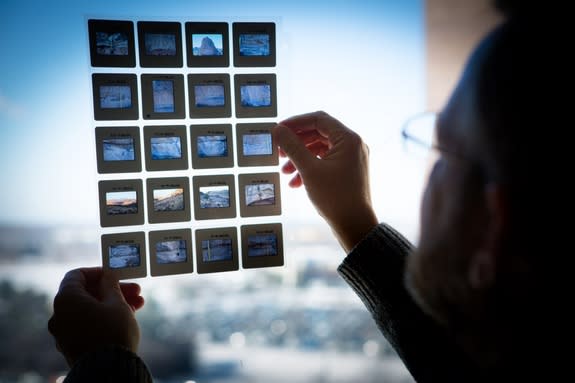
x=484, y=263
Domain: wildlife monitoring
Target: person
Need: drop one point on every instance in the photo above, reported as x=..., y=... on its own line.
x=468, y=304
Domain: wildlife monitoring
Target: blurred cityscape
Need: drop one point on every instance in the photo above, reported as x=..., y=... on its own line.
x=298, y=323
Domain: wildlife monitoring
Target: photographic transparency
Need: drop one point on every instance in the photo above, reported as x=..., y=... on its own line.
x=254, y=45
x=214, y=196
x=209, y=95
x=212, y=146
x=163, y=91
x=171, y=252
x=207, y=44
x=169, y=199
x=122, y=256
x=112, y=44
x=217, y=250
x=256, y=96
x=260, y=195
x=118, y=149
x=115, y=97
x=262, y=245
x=160, y=44
x=166, y=148
x=257, y=144
x=119, y=203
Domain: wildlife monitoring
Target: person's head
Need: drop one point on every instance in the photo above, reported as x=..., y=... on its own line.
x=479, y=259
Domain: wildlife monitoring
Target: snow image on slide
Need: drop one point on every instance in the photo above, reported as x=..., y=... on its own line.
x=124, y=256
x=257, y=144
x=256, y=96
x=262, y=245
x=166, y=148
x=209, y=95
x=163, y=96
x=260, y=195
x=118, y=149
x=214, y=196
x=115, y=97
x=217, y=250
x=254, y=45
x=160, y=44
x=171, y=252
x=212, y=146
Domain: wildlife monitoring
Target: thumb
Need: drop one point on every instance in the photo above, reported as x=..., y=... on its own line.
x=109, y=288
x=293, y=147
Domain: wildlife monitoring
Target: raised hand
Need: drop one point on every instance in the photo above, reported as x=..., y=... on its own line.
x=331, y=161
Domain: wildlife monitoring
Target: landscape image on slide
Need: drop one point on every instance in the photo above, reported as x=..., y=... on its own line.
x=118, y=203
x=168, y=199
x=254, y=45
x=256, y=96
x=171, y=252
x=207, y=45
x=214, y=196
x=217, y=250
x=166, y=148
x=257, y=144
x=163, y=96
x=118, y=149
x=260, y=195
x=262, y=245
x=158, y=44
x=212, y=146
x=209, y=95
x=111, y=44
x=124, y=256
x=115, y=97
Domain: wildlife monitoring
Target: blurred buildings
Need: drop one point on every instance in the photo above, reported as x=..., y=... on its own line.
x=298, y=323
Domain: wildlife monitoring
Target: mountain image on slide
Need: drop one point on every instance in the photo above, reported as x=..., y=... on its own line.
x=207, y=48
x=121, y=206
x=216, y=198
x=171, y=202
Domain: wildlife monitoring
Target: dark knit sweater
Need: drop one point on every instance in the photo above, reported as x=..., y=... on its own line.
x=109, y=365
x=375, y=269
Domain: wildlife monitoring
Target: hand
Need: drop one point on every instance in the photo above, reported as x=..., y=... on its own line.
x=331, y=161
x=91, y=310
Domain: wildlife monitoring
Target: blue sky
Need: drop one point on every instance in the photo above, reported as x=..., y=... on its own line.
x=361, y=61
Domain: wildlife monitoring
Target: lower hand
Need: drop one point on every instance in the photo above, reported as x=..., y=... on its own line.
x=93, y=310
x=331, y=161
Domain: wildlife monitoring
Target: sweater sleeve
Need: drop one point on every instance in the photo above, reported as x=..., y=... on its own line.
x=109, y=365
x=374, y=269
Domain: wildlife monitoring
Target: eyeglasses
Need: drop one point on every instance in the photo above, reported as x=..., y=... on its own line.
x=419, y=134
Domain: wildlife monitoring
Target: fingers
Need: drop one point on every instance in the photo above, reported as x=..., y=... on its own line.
x=131, y=292
x=294, y=148
x=322, y=122
x=109, y=288
x=80, y=282
x=296, y=181
x=318, y=149
x=130, y=289
x=135, y=302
